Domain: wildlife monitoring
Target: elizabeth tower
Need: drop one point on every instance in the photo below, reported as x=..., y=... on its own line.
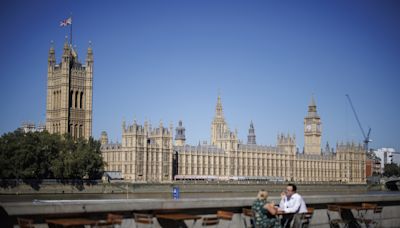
x=312, y=130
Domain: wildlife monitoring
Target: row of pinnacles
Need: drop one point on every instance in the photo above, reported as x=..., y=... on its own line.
x=145, y=153
x=287, y=143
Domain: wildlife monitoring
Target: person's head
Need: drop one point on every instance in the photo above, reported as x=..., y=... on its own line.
x=290, y=189
x=262, y=195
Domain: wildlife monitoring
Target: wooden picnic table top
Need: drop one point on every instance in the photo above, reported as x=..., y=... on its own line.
x=66, y=222
x=178, y=216
x=356, y=207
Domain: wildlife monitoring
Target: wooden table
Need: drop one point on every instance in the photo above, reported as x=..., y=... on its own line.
x=70, y=222
x=346, y=214
x=176, y=220
x=361, y=212
x=285, y=218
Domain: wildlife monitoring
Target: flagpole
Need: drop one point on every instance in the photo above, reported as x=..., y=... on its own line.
x=70, y=31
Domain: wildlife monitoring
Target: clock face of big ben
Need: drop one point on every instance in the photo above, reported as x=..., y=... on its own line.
x=308, y=127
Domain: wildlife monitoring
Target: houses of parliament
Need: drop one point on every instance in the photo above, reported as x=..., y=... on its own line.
x=156, y=155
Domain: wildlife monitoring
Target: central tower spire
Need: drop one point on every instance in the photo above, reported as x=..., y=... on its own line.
x=218, y=109
x=218, y=125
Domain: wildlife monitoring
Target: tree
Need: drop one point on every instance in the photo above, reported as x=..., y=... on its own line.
x=42, y=155
x=391, y=170
x=91, y=158
x=8, y=144
x=79, y=159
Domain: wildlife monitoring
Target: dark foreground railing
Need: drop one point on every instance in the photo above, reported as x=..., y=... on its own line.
x=40, y=210
x=393, y=185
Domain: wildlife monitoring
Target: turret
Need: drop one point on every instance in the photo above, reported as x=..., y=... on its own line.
x=251, y=138
x=50, y=92
x=104, y=138
x=180, y=135
x=52, y=57
x=66, y=57
x=89, y=88
x=89, y=56
x=123, y=125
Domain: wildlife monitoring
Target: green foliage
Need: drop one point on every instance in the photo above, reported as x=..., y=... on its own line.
x=41, y=155
x=391, y=170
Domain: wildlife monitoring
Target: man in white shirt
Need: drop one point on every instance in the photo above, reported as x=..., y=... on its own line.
x=291, y=203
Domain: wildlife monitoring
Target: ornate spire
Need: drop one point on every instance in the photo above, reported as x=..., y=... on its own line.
x=123, y=124
x=312, y=108
x=66, y=44
x=52, y=46
x=219, y=128
x=251, y=138
x=52, y=58
x=312, y=102
x=67, y=51
x=218, y=109
x=180, y=132
x=89, y=56
x=104, y=138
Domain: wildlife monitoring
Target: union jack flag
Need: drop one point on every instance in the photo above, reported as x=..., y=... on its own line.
x=66, y=22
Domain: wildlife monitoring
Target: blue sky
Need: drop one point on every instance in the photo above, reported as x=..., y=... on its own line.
x=167, y=60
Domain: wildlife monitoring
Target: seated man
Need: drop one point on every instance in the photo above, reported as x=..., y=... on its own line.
x=291, y=203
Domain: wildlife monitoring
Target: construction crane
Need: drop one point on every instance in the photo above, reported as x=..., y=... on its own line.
x=366, y=136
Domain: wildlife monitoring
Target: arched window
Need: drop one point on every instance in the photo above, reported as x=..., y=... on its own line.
x=76, y=131
x=80, y=131
x=59, y=99
x=54, y=100
x=76, y=99
x=81, y=103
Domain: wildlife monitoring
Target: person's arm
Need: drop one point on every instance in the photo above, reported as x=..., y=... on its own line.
x=296, y=205
x=270, y=207
x=282, y=204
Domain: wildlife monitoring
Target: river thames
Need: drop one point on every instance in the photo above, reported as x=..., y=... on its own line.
x=163, y=195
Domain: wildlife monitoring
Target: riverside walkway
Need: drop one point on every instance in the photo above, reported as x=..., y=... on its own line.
x=39, y=210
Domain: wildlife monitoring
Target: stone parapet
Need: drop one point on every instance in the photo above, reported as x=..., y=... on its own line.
x=41, y=209
x=87, y=206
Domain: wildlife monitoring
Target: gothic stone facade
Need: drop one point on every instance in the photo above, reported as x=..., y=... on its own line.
x=69, y=93
x=151, y=155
